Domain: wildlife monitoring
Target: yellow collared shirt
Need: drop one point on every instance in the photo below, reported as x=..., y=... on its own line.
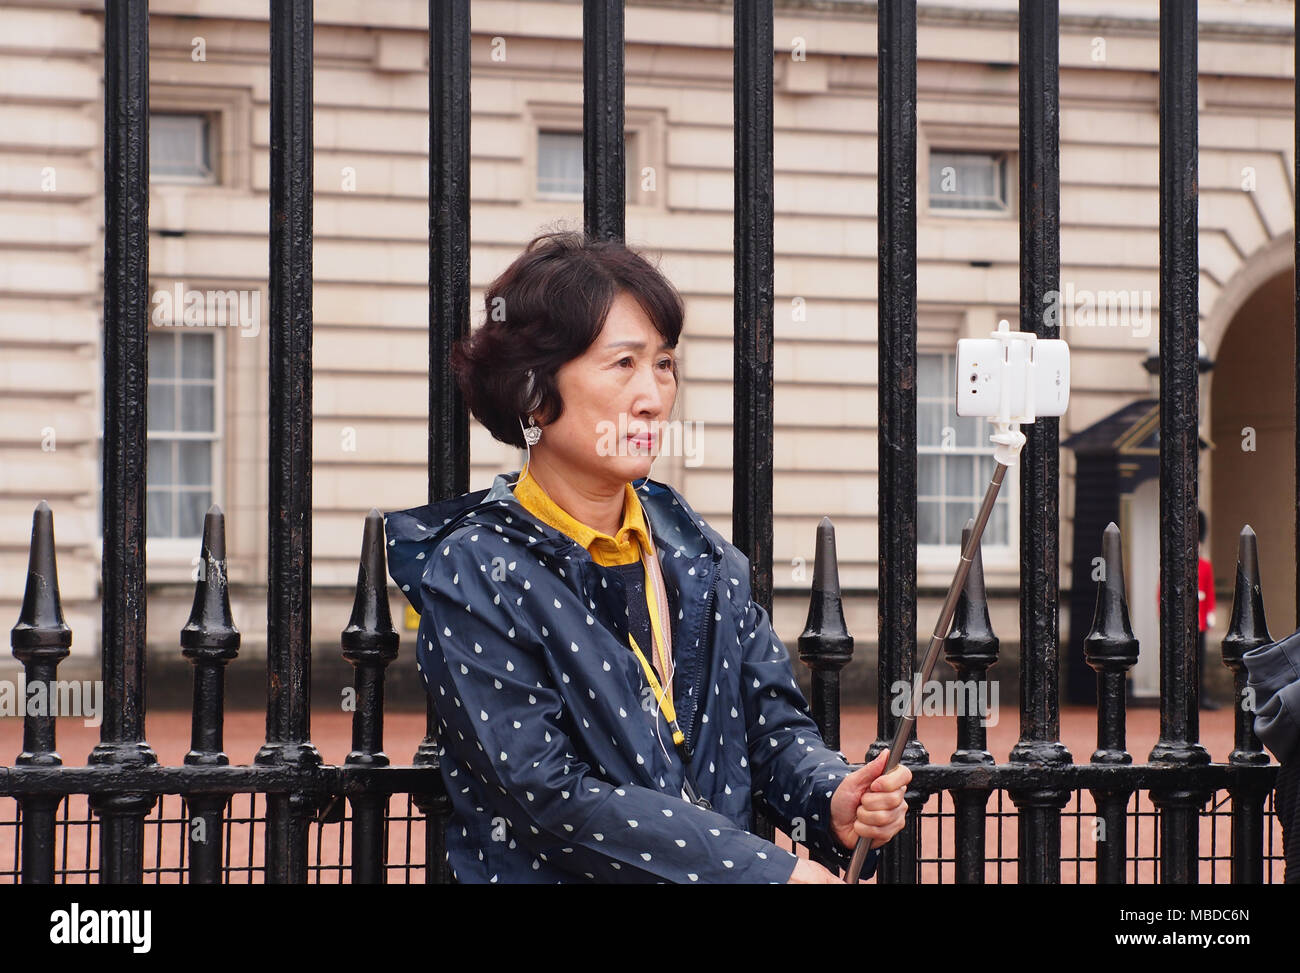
x=623, y=548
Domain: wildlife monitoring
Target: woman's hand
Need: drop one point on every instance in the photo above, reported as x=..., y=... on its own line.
x=868, y=805
x=808, y=872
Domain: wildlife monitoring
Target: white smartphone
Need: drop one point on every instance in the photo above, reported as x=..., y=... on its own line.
x=1036, y=376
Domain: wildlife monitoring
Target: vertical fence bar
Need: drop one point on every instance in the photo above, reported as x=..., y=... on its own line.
x=970, y=648
x=288, y=596
x=1248, y=629
x=896, y=269
x=1295, y=364
x=209, y=640
x=604, y=197
x=40, y=640
x=126, y=380
x=751, y=521
x=1179, y=325
x=752, y=399
x=449, y=214
x=370, y=644
x=449, y=118
x=1039, y=832
x=1111, y=650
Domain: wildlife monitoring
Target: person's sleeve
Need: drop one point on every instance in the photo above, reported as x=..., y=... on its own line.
x=794, y=772
x=1273, y=677
x=503, y=718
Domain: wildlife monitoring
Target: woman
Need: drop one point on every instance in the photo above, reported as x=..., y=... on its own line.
x=609, y=697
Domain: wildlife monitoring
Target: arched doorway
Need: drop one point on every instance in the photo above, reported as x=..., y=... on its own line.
x=1252, y=427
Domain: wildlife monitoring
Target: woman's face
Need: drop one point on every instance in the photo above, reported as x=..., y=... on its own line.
x=616, y=396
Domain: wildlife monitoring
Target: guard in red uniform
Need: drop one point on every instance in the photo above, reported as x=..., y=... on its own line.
x=1205, y=608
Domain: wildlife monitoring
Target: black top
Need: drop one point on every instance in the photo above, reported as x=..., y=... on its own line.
x=638, y=615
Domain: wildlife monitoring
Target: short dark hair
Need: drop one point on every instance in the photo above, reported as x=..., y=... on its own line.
x=546, y=309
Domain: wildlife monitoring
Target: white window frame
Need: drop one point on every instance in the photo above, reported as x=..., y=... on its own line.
x=555, y=194
x=939, y=561
x=956, y=137
x=644, y=131
x=213, y=437
x=231, y=144
x=1001, y=159
x=211, y=134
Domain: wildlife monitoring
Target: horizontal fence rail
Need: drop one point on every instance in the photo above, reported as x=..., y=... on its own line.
x=367, y=806
x=1041, y=817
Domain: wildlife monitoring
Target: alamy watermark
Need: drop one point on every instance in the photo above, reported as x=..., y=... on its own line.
x=62, y=697
x=78, y=926
x=670, y=438
x=1083, y=308
x=947, y=697
x=190, y=308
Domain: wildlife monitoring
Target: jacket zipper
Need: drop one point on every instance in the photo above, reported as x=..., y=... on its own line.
x=706, y=640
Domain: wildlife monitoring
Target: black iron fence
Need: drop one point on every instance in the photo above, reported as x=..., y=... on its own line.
x=118, y=820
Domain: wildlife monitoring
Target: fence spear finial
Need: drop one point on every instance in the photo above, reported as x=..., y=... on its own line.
x=970, y=643
x=370, y=629
x=826, y=641
x=971, y=648
x=1247, y=627
x=826, y=645
x=1111, y=649
x=211, y=626
x=40, y=627
x=1247, y=630
x=1111, y=645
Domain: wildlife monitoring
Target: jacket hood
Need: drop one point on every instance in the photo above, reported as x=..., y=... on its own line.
x=1275, y=679
x=413, y=534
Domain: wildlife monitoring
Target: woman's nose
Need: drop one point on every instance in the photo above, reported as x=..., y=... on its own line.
x=650, y=394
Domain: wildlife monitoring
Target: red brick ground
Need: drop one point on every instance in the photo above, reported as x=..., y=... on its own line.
x=168, y=734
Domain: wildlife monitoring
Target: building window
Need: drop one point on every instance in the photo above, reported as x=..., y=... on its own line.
x=954, y=461
x=560, y=168
x=969, y=181
x=180, y=148
x=182, y=432
x=559, y=164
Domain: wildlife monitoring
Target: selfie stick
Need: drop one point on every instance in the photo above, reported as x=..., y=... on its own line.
x=1008, y=440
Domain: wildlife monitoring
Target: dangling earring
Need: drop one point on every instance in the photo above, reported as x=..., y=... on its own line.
x=531, y=435
x=533, y=432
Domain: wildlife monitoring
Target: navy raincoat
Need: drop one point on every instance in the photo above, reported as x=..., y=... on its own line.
x=557, y=762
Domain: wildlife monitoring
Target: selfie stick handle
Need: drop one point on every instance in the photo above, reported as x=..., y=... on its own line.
x=1008, y=440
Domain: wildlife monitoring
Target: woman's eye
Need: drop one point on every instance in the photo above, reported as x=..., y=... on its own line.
x=666, y=363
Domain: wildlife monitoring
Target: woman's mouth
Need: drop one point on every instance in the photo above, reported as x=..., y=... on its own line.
x=643, y=441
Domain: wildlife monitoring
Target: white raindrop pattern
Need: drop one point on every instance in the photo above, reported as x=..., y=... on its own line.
x=546, y=734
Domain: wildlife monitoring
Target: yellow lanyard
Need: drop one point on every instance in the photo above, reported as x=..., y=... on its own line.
x=656, y=630
x=665, y=704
